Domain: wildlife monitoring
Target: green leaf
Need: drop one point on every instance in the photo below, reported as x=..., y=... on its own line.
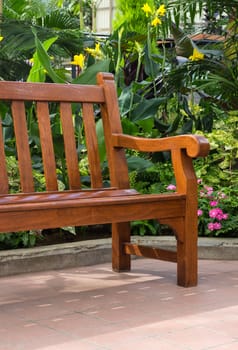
x=183, y=44
x=146, y=125
x=124, y=101
x=89, y=75
x=138, y=163
x=146, y=109
x=129, y=127
x=44, y=58
x=37, y=73
x=101, y=141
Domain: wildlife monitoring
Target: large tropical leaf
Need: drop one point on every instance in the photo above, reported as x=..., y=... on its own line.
x=89, y=75
x=37, y=72
x=146, y=108
x=43, y=60
x=59, y=19
x=183, y=44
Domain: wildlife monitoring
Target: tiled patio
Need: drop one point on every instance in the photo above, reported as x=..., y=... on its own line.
x=94, y=308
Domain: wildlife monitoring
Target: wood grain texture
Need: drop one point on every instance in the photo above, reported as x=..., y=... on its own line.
x=117, y=204
x=47, y=146
x=92, y=145
x=71, y=155
x=3, y=166
x=22, y=144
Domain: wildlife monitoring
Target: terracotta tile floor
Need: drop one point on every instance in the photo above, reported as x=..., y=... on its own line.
x=92, y=308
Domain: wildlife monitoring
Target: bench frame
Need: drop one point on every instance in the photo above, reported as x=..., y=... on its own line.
x=118, y=204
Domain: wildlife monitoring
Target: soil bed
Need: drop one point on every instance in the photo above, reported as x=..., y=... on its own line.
x=56, y=236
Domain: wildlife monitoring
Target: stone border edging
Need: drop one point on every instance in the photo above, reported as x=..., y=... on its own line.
x=93, y=252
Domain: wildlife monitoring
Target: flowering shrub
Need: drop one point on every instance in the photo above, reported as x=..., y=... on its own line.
x=211, y=210
x=210, y=213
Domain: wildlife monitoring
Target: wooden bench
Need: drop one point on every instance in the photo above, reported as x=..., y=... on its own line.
x=118, y=204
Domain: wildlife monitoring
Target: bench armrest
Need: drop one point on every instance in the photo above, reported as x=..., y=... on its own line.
x=183, y=148
x=195, y=145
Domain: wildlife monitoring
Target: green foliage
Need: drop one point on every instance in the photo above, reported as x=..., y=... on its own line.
x=129, y=13
x=219, y=172
x=152, y=179
x=145, y=227
x=18, y=240
x=41, y=60
x=221, y=165
x=48, y=21
x=217, y=211
x=218, y=11
x=89, y=76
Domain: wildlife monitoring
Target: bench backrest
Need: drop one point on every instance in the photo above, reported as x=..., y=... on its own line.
x=33, y=119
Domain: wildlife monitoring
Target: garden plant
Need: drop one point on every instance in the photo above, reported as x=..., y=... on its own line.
x=160, y=93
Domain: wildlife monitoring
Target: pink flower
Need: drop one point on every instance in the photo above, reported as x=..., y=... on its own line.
x=199, y=181
x=208, y=188
x=219, y=217
x=210, y=226
x=216, y=213
x=217, y=225
x=213, y=203
x=213, y=213
x=199, y=212
x=171, y=187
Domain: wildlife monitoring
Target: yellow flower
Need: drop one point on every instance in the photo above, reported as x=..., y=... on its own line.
x=161, y=10
x=156, y=21
x=78, y=60
x=97, y=53
x=196, y=56
x=195, y=108
x=147, y=9
x=1, y=38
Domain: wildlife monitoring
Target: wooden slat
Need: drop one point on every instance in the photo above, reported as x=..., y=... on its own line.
x=149, y=252
x=22, y=143
x=52, y=214
x=70, y=146
x=104, y=209
x=117, y=163
x=92, y=145
x=55, y=196
x=50, y=92
x=3, y=167
x=47, y=146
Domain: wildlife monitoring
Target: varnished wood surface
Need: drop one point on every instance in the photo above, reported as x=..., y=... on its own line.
x=22, y=91
x=150, y=252
x=195, y=145
x=116, y=204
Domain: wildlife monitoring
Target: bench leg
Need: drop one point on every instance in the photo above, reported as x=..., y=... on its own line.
x=185, y=230
x=187, y=256
x=120, y=234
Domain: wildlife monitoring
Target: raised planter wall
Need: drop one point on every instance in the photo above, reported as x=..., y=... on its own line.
x=93, y=252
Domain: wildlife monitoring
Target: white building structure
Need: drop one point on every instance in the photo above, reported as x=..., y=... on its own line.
x=104, y=16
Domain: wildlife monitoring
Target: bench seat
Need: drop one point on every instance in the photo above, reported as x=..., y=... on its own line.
x=84, y=208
